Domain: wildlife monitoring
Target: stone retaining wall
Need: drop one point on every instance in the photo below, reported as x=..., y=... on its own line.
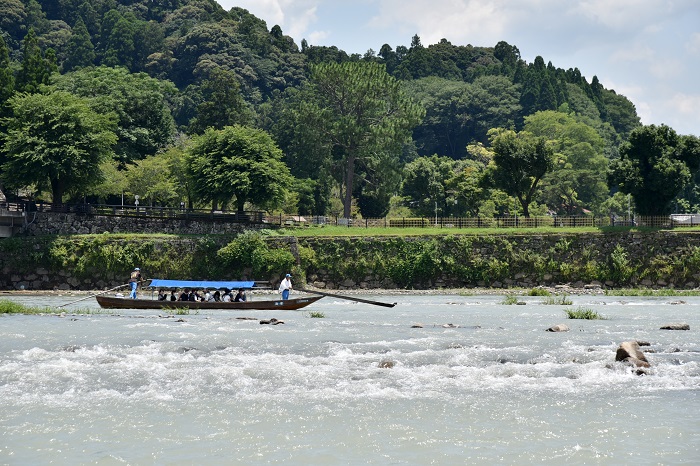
x=45, y=223
x=661, y=259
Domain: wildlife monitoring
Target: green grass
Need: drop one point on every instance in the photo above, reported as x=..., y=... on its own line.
x=509, y=300
x=427, y=231
x=539, y=292
x=179, y=311
x=317, y=315
x=11, y=307
x=558, y=300
x=583, y=313
x=649, y=292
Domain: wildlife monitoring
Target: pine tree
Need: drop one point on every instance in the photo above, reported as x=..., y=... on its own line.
x=7, y=79
x=35, y=70
x=81, y=52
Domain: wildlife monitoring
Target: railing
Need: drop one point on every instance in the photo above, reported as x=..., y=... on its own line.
x=283, y=220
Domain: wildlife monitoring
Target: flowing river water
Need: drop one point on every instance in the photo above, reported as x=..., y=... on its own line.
x=358, y=386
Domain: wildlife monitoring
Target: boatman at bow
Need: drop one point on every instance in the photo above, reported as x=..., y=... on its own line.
x=134, y=280
x=286, y=286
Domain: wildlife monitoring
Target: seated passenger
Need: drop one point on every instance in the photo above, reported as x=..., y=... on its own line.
x=240, y=296
x=217, y=296
x=185, y=295
x=172, y=296
x=161, y=295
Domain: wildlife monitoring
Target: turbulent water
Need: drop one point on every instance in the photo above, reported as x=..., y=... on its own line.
x=143, y=387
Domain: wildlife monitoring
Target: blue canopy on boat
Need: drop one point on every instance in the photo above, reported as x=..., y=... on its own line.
x=199, y=284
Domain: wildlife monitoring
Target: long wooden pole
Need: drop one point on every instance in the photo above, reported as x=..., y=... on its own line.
x=359, y=300
x=93, y=295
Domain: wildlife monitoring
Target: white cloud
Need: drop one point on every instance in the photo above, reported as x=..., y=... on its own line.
x=686, y=104
x=693, y=45
x=646, y=50
x=293, y=16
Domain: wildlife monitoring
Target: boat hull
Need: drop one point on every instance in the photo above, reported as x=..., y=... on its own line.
x=111, y=302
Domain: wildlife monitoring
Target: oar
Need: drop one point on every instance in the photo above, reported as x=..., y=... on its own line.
x=359, y=300
x=93, y=295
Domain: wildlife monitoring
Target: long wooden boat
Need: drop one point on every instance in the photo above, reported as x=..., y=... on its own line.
x=111, y=302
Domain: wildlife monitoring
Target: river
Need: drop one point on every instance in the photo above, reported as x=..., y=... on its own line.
x=144, y=387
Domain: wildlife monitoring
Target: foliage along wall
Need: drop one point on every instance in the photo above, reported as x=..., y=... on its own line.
x=616, y=259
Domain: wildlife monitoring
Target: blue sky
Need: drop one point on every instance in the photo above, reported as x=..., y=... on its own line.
x=647, y=50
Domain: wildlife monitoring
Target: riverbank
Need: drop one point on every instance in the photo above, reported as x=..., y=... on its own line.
x=581, y=262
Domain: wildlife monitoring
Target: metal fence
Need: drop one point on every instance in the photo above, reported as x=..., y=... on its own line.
x=301, y=221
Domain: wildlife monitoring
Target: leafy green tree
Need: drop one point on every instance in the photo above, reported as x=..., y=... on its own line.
x=655, y=164
x=7, y=78
x=152, y=180
x=520, y=162
x=238, y=163
x=120, y=44
x=81, y=52
x=145, y=123
x=425, y=183
x=222, y=103
x=360, y=113
x=13, y=17
x=36, y=70
x=57, y=140
x=578, y=178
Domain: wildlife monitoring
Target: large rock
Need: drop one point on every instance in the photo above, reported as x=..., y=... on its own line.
x=558, y=328
x=630, y=352
x=676, y=327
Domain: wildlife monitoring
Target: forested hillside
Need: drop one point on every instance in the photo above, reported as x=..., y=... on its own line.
x=182, y=101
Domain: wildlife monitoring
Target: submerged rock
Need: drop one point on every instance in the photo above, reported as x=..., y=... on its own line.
x=272, y=321
x=558, y=328
x=629, y=352
x=677, y=326
x=386, y=364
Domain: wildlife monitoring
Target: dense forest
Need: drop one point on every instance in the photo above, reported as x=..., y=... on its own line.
x=181, y=101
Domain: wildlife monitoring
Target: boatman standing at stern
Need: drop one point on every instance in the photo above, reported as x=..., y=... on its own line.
x=134, y=280
x=286, y=286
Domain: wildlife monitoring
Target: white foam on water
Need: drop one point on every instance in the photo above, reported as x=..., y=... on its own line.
x=359, y=386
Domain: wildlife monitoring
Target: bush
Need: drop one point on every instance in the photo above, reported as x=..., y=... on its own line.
x=558, y=300
x=539, y=292
x=509, y=300
x=583, y=313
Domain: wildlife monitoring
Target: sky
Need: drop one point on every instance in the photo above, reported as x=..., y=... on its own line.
x=646, y=50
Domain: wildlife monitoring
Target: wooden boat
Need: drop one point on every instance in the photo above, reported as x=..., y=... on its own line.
x=111, y=302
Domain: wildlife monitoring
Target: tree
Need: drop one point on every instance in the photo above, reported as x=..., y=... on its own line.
x=7, y=79
x=238, y=163
x=655, y=164
x=145, y=123
x=81, y=52
x=222, y=103
x=361, y=113
x=55, y=139
x=520, y=161
x=35, y=70
x=578, y=179
x=120, y=44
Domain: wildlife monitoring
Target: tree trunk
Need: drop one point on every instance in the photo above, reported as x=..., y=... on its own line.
x=57, y=188
x=349, y=179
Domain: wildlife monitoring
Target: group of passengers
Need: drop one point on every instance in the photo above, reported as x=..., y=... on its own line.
x=205, y=296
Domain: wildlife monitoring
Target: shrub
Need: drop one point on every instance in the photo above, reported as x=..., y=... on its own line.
x=539, y=292
x=558, y=300
x=583, y=313
x=509, y=300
